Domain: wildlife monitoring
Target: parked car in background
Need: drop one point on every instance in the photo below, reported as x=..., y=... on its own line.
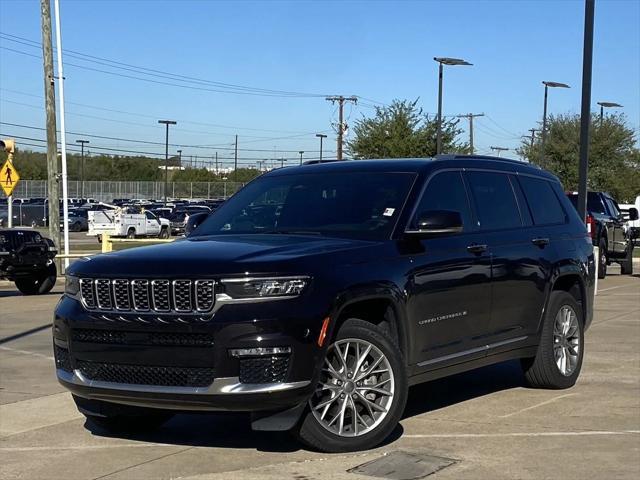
x=77, y=218
x=26, y=258
x=315, y=296
x=180, y=217
x=609, y=231
x=634, y=225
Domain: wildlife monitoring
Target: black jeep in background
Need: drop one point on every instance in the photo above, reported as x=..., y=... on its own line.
x=26, y=258
x=609, y=231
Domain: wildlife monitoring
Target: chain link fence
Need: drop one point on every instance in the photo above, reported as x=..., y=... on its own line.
x=106, y=191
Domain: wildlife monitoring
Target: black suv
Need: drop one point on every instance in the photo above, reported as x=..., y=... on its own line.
x=609, y=231
x=316, y=295
x=26, y=258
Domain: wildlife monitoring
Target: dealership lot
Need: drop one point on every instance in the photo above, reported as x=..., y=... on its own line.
x=484, y=422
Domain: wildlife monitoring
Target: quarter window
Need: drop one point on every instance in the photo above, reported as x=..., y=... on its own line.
x=445, y=191
x=543, y=203
x=494, y=200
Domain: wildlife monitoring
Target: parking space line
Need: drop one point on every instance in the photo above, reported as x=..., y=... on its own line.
x=26, y=352
x=524, y=434
x=546, y=402
x=86, y=447
x=615, y=288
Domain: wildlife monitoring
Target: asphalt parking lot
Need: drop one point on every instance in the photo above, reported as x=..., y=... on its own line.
x=485, y=423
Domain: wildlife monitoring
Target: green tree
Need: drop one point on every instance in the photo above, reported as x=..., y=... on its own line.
x=614, y=159
x=402, y=130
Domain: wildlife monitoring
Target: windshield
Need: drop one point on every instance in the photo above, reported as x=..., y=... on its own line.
x=352, y=205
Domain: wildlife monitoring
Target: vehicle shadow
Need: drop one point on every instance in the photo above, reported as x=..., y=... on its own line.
x=233, y=430
x=17, y=293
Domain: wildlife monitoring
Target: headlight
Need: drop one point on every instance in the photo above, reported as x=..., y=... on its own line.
x=71, y=286
x=265, y=287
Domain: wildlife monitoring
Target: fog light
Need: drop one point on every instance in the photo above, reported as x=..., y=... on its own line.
x=259, y=351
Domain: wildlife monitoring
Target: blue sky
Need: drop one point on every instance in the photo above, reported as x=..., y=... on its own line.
x=377, y=50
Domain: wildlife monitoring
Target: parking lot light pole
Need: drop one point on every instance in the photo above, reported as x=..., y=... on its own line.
x=544, y=114
x=604, y=105
x=320, y=136
x=82, y=144
x=441, y=62
x=166, y=157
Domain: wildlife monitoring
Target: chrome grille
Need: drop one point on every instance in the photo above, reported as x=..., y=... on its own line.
x=121, y=294
x=88, y=296
x=182, y=295
x=204, y=295
x=154, y=296
x=103, y=294
x=160, y=295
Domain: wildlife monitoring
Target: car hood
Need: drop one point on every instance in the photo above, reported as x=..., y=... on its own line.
x=226, y=254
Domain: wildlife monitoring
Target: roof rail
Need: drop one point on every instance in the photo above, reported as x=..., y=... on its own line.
x=314, y=162
x=453, y=156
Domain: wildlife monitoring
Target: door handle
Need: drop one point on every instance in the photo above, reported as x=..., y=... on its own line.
x=476, y=248
x=541, y=242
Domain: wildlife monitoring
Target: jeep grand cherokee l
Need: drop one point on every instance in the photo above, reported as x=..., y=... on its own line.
x=315, y=296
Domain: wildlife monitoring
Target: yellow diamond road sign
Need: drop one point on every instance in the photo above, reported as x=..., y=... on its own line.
x=8, y=178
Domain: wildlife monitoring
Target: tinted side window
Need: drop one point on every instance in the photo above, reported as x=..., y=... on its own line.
x=613, y=207
x=494, y=200
x=545, y=206
x=445, y=191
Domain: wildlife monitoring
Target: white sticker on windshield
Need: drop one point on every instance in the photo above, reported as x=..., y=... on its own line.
x=388, y=212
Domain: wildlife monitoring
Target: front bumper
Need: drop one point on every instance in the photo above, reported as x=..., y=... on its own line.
x=232, y=327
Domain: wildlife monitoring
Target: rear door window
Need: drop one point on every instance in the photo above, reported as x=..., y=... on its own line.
x=494, y=199
x=543, y=203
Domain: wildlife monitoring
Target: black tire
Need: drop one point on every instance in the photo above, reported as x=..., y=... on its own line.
x=115, y=418
x=131, y=233
x=626, y=265
x=77, y=227
x=164, y=233
x=602, y=265
x=310, y=432
x=542, y=371
x=39, y=284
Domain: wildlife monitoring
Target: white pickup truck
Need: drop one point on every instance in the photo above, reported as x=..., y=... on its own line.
x=119, y=223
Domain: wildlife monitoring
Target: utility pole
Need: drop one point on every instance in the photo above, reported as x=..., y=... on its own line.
x=166, y=157
x=470, y=116
x=235, y=160
x=216, y=163
x=53, y=187
x=301, y=152
x=342, y=127
x=533, y=136
x=499, y=149
x=179, y=157
x=82, y=143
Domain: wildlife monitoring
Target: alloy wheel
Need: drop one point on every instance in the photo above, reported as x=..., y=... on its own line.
x=566, y=340
x=356, y=388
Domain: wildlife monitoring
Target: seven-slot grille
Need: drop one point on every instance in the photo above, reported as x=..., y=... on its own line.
x=162, y=296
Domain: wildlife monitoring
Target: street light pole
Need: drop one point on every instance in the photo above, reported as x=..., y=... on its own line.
x=179, y=157
x=320, y=136
x=82, y=143
x=441, y=62
x=301, y=152
x=607, y=105
x=166, y=157
x=544, y=114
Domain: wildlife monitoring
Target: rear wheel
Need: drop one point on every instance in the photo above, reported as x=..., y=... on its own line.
x=626, y=265
x=558, y=361
x=361, y=394
x=121, y=418
x=602, y=266
x=131, y=233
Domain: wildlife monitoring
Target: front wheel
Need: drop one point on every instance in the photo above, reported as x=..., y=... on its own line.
x=39, y=284
x=164, y=234
x=361, y=393
x=626, y=265
x=560, y=353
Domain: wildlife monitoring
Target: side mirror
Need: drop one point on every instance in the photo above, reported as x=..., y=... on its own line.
x=633, y=214
x=193, y=221
x=438, y=222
